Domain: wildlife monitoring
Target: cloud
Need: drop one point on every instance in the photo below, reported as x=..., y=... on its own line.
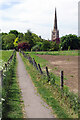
x=38, y=15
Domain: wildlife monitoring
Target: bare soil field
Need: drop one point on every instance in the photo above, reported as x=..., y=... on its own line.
x=69, y=64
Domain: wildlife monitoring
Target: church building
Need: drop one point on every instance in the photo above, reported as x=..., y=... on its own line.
x=55, y=32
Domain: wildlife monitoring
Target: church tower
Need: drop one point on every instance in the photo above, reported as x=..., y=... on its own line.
x=55, y=32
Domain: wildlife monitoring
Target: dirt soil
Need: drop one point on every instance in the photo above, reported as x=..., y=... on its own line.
x=69, y=64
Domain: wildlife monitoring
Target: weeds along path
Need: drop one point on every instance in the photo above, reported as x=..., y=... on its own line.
x=34, y=106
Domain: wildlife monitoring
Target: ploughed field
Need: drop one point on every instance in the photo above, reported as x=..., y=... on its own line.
x=69, y=64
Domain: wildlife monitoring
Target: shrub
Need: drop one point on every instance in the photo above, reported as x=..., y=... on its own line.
x=23, y=46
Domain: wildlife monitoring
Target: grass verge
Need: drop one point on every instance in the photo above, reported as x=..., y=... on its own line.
x=11, y=106
x=64, y=53
x=51, y=94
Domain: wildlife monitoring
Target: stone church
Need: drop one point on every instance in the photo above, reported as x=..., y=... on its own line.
x=55, y=32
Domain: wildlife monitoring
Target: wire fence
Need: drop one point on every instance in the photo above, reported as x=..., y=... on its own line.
x=6, y=66
x=38, y=67
x=74, y=100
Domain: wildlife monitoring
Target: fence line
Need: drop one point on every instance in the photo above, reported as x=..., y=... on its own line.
x=38, y=67
x=62, y=80
x=5, y=67
x=47, y=73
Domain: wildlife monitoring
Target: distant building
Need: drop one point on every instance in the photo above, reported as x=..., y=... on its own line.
x=55, y=32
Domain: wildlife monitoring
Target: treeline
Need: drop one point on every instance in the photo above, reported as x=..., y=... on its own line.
x=32, y=42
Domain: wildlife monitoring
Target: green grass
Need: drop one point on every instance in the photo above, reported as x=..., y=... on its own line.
x=64, y=53
x=78, y=52
x=42, y=62
x=0, y=102
x=11, y=107
x=4, y=56
x=52, y=94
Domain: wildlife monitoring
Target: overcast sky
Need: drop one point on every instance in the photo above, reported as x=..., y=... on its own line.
x=38, y=16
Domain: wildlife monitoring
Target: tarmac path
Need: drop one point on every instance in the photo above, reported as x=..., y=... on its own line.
x=35, y=107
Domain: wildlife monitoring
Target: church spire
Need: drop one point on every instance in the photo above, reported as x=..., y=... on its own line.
x=55, y=21
x=55, y=32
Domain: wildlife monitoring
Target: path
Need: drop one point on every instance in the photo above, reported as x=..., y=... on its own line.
x=34, y=106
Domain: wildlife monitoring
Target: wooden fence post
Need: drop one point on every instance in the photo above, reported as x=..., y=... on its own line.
x=26, y=56
x=5, y=66
x=48, y=74
x=36, y=65
x=33, y=62
x=10, y=59
x=1, y=75
x=23, y=53
x=40, y=69
x=62, y=80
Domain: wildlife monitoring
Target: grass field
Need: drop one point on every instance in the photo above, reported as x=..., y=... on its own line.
x=4, y=56
x=65, y=53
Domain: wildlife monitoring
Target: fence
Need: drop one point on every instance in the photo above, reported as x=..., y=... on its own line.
x=38, y=67
x=6, y=66
x=74, y=104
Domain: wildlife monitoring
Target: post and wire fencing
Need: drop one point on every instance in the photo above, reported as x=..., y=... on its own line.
x=6, y=66
x=38, y=67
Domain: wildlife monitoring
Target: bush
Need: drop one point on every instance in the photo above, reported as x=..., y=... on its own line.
x=23, y=46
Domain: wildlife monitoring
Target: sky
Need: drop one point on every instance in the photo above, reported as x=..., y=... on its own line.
x=38, y=16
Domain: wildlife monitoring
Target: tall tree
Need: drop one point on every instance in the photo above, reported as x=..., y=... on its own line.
x=29, y=38
x=79, y=42
x=21, y=36
x=8, y=41
x=46, y=45
x=15, y=32
x=69, y=41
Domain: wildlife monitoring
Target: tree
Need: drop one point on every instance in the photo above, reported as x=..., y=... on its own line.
x=79, y=42
x=15, y=32
x=7, y=41
x=3, y=33
x=36, y=38
x=37, y=47
x=29, y=38
x=21, y=36
x=0, y=41
x=16, y=41
x=54, y=46
x=46, y=45
x=69, y=40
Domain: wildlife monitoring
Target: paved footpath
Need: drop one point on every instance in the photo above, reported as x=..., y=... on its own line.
x=35, y=107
